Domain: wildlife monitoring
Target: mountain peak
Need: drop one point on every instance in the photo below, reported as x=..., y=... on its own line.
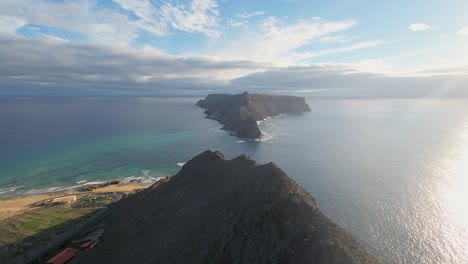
x=224, y=211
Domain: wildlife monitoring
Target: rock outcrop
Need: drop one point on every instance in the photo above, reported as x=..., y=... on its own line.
x=224, y=211
x=240, y=113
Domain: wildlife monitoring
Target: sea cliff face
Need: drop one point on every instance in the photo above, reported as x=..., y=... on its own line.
x=224, y=211
x=240, y=113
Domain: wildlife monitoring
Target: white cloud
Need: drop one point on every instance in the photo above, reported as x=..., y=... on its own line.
x=381, y=66
x=201, y=16
x=242, y=19
x=336, y=39
x=32, y=60
x=357, y=46
x=89, y=69
x=463, y=31
x=99, y=26
x=234, y=23
x=276, y=42
x=250, y=15
x=341, y=80
x=420, y=27
x=141, y=8
x=108, y=26
x=10, y=24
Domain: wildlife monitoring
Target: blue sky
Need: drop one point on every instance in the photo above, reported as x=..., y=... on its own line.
x=388, y=38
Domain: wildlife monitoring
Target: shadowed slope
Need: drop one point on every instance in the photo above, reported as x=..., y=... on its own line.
x=220, y=211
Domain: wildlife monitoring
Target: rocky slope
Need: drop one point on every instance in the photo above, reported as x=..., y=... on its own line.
x=224, y=211
x=240, y=113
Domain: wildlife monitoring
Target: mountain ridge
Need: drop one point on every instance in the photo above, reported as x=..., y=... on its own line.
x=225, y=211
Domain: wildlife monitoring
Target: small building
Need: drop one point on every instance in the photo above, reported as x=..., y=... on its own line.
x=87, y=244
x=64, y=199
x=96, y=235
x=63, y=257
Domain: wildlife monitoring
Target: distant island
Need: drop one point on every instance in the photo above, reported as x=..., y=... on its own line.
x=239, y=113
x=224, y=211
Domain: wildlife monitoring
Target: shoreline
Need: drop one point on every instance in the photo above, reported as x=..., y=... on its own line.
x=13, y=205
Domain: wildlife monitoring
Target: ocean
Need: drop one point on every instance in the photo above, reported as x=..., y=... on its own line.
x=392, y=172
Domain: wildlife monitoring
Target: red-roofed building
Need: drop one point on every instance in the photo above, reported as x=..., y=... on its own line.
x=86, y=245
x=63, y=257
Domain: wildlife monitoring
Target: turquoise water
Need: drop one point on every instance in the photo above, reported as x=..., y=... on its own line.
x=51, y=143
x=393, y=173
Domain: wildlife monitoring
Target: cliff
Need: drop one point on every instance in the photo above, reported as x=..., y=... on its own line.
x=240, y=113
x=224, y=211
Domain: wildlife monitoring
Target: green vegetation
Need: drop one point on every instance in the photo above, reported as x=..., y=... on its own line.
x=97, y=200
x=30, y=230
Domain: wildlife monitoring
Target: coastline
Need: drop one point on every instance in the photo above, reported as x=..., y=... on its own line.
x=10, y=206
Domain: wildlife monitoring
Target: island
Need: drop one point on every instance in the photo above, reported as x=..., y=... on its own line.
x=224, y=211
x=239, y=113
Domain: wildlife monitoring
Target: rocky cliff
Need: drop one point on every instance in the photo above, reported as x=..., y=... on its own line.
x=224, y=211
x=240, y=113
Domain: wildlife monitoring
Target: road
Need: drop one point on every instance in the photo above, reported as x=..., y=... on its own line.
x=93, y=220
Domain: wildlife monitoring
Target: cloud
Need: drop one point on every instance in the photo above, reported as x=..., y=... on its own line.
x=242, y=19
x=336, y=39
x=201, y=16
x=463, y=31
x=420, y=27
x=336, y=80
x=49, y=67
x=357, y=46
x=9, y=24
x=119, y=23
x=234, y=23
x=250, y=15
x=277, y=42
x=132, y=22
x=46, y=63
x=80, y=17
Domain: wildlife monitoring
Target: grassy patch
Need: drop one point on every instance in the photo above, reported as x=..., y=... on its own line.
x=30, y=230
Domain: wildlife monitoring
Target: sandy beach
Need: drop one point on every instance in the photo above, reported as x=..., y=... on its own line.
x=13, y=205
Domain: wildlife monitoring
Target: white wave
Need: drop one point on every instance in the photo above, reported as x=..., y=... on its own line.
x=264, y=120
x=11, y=189
x=145, y=173
x=94, y=183
x=181, y=164
x=265, y=136
x=37, y=191
x=60, y=188
x=136, y=179
x=151, y=180
x=145, y=178
x=240, y=141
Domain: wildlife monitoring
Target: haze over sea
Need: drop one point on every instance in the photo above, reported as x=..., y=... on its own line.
x=391, y=172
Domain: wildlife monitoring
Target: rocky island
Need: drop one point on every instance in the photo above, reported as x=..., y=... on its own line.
x=224, y=211
x=239, y=113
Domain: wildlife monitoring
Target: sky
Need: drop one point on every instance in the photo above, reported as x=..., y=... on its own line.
x=336, y=48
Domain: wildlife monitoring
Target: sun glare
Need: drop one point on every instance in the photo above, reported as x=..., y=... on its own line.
x=456, y=193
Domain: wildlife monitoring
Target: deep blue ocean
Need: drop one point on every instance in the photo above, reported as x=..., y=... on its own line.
x=393, y=173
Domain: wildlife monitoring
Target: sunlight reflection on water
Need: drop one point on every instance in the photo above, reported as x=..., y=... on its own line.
x=455, y=198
